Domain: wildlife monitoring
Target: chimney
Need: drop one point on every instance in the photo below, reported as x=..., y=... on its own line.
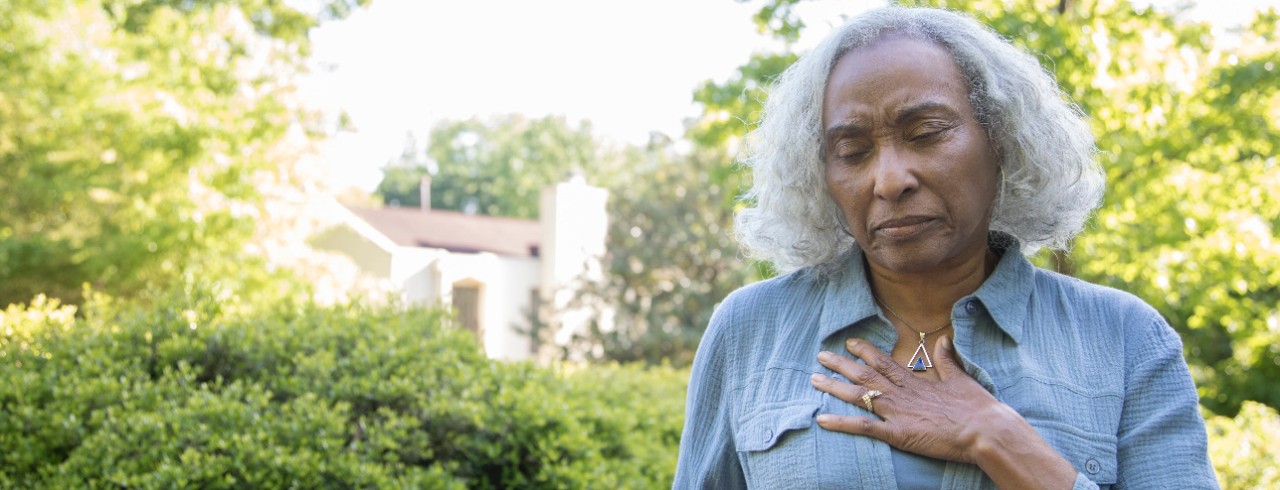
x=424, y=192
x=575, y=224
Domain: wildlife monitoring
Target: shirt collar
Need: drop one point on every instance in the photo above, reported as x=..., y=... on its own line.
x=848, y=297
x=1004, y=295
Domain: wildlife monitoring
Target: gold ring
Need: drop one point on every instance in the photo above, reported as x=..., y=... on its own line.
x=868, y=396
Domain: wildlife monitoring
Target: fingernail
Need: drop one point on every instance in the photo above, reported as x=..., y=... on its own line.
x=817, y=379
x=851, y=343
x=824, y=418
x=946, y=342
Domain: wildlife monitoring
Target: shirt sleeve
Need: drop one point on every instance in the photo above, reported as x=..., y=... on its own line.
x=708, y=458
x=1083, y=483
x=1162, y=439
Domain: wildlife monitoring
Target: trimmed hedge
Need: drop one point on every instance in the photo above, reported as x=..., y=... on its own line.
x=194, y=394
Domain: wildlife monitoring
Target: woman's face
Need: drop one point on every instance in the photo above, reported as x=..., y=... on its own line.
x=906, y=160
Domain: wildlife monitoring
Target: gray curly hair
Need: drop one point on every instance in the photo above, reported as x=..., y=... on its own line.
x=1049, y=185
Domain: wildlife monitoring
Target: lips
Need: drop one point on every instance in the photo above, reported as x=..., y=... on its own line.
x=904, y=227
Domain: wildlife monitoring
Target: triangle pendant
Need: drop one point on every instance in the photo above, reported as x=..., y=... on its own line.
x=920, y=360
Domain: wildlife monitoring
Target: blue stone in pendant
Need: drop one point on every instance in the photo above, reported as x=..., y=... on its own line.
x=919, y=365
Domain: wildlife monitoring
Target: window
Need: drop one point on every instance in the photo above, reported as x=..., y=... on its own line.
x=466, y=303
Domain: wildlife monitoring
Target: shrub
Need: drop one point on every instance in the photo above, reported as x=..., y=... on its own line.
x=193, y=389
x=191, y=392
x=1244, y=447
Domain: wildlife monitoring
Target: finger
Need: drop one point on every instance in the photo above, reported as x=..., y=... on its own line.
x=865, y=426
x=845, y=391
x=879, y=361
x=945, y=355
x=853, y=371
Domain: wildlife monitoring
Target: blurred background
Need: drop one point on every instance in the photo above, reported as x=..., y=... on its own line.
x=252, y=236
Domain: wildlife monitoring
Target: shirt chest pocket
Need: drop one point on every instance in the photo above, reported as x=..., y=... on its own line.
x=1081, y=427
x=1092, y=453
x=776, y=444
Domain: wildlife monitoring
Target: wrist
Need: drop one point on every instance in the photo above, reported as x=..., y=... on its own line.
x=1012, y=453
x=989, y=440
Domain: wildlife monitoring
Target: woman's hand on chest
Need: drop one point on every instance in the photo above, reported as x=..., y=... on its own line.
x=952, y=418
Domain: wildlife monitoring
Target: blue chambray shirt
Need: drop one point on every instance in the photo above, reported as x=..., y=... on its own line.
x=1097, y=372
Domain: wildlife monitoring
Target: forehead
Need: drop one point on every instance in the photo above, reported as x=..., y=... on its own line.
x=891, y=73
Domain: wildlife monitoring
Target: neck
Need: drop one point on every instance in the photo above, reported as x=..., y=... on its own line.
x=925, y=299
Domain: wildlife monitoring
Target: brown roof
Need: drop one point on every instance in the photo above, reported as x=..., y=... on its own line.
x=454, y=231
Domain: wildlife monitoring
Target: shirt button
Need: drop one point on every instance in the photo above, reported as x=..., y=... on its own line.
x=971, y=307
x=1092, y=466
x=768, y=436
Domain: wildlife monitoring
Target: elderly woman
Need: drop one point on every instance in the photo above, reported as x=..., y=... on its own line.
x=902, y=171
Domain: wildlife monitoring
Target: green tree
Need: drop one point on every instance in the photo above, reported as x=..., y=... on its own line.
x=732, y=108
x=670, y=256
x=496, y=167
x=401, y=183
x=1243, y=447
x=133, y=134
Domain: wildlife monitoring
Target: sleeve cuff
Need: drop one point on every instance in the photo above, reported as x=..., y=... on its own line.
x=1084, y=483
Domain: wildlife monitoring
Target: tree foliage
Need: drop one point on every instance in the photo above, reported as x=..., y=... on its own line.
x=496, y=167
x=133, y=134
x=401, y=183
x=670, y=256
x=1243, y=447
x=732, y=108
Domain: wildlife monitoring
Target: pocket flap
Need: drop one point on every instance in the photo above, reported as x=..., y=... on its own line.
x=765, y=426
x=1093, y=454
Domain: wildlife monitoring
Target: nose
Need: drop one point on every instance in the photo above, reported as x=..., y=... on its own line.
x=894, y=174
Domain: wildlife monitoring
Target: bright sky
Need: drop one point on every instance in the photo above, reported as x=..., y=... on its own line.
x=628, y=67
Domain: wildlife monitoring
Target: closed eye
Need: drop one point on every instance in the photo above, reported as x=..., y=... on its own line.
x=850, y=150
x=930, y=130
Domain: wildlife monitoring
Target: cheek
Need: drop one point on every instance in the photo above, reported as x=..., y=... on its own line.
x=979, y=175
x=984, y=187
x=843, y=190
x=832, y=180
x=842, y=184
x=988, y=169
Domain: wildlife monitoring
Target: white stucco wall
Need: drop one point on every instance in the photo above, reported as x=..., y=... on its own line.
x=371, y=258
x=425, y=276
x=505, y=282
x=415, y=272
x=506, y=340
x=574, y=224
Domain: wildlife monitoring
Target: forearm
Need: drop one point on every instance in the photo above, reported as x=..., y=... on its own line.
x=1013, y=455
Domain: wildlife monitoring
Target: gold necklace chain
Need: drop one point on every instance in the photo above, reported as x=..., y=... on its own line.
x=904, y=321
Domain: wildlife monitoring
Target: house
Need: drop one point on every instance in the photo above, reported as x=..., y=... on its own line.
x=496, y=273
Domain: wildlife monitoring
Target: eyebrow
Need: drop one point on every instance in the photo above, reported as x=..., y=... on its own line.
x=852, y=126
x=907, y=113
x=856, y=125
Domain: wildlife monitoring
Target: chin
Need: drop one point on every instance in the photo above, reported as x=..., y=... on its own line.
x=902, y=261
x=913, y=258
